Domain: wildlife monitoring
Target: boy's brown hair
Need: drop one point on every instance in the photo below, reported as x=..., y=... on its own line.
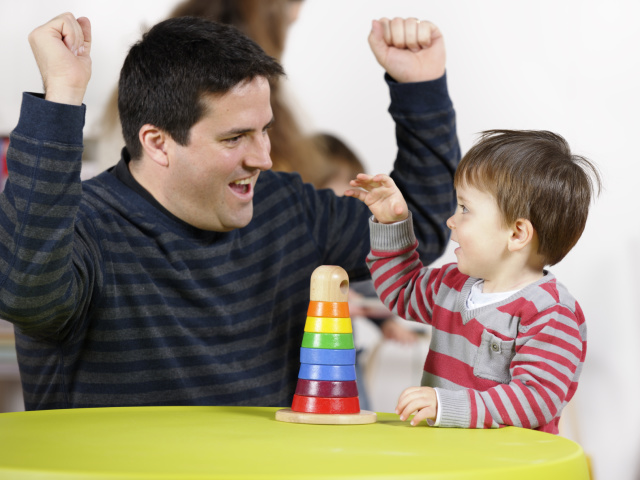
x=533, y=175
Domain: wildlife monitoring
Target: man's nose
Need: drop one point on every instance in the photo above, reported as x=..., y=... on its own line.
x=260, y=156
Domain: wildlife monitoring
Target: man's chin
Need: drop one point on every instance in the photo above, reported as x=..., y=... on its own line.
x=240, y=221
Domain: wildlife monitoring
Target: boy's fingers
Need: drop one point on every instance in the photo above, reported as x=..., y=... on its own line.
x=403, y=398
x=422, y=415
x=412, y=407
x=359, y=194
x=383, y=180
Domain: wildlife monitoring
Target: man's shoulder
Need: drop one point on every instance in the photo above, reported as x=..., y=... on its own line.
x=105, y=193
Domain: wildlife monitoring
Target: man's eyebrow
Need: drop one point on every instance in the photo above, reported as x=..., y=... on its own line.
x=240, y=131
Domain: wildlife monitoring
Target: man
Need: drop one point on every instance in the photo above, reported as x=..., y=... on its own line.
x=181, y=276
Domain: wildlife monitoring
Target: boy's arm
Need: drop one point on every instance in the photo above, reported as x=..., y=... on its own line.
x=399, y=278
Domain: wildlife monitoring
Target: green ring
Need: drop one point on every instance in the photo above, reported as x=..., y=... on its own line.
x=328, y=340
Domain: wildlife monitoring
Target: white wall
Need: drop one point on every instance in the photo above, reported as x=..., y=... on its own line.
x=116, y=25
x=570, y=66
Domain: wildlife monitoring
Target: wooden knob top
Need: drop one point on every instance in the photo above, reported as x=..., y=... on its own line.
x=329, y=283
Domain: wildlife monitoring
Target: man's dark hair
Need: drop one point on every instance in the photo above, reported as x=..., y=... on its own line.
x=179, y=61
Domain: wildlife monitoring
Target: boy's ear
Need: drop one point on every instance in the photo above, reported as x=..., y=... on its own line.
x=155, y=144
x=522, y=233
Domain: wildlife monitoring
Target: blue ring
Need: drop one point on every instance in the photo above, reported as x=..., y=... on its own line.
x=327, y=372
x=326, y=356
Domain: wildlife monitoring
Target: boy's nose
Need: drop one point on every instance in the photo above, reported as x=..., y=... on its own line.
x=450, y=223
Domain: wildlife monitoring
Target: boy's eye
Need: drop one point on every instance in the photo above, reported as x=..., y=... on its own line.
x=463, y=209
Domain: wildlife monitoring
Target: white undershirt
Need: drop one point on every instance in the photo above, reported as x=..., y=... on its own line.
x=477, y=298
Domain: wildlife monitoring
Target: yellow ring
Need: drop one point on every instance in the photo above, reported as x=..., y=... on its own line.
x=328, y=325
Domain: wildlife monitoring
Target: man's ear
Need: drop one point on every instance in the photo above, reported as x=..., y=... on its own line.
x=155, y=144
x=522, y=233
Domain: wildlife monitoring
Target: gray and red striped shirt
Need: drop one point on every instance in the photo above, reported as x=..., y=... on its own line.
x=513, y=362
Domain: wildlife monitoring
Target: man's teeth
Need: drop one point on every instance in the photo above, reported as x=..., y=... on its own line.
x=246, y=181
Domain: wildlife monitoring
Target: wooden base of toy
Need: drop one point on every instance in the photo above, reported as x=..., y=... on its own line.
x=288, y=415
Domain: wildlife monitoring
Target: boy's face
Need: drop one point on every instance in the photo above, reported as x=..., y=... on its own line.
x=478, y=228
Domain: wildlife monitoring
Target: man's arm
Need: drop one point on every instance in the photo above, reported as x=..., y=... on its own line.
x=428, y=155
x=413, y=54
x=39, y=279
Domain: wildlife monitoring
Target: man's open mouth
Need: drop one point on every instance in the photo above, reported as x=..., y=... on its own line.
x=241, y=186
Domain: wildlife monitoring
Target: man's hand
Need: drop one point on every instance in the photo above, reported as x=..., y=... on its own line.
x=62, y=49
x=381, y=195
x=392, y=330
x=410, y=50
x=422, y=401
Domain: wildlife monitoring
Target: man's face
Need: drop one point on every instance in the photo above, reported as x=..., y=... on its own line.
x=212, y=179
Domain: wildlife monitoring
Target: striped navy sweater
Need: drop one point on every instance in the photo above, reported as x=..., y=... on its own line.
x=115, y=302
x=512, y=362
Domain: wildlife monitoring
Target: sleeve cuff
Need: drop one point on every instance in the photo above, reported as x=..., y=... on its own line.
x=49, y=121
x=419, y=97
x=391, y=237
x=454, y=408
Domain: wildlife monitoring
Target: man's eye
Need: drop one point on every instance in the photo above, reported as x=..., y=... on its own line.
x=235, y=139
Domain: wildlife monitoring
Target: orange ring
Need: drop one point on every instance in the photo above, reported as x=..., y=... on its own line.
x=328, y=309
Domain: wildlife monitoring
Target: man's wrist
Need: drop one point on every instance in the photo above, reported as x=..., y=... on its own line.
x=66, y=96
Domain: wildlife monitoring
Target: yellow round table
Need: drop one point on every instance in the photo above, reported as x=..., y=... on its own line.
x=247, y=442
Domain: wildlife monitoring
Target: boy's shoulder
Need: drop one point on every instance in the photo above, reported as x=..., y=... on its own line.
x=549, y=295
x=553, y=292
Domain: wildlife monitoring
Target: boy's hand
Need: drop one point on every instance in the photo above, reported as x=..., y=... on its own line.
x=62, y=49
x=381, y=195
x=410, y=50
x=419, y=400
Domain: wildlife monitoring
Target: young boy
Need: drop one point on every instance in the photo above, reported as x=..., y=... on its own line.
x=508, y=341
